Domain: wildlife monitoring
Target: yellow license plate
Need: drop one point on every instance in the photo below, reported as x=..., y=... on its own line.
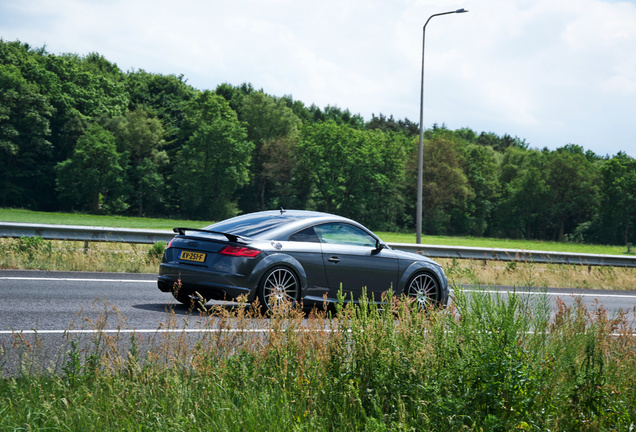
x=192, y=256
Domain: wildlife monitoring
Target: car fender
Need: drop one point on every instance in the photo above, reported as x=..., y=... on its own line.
x=418, y=267
x=274, y=260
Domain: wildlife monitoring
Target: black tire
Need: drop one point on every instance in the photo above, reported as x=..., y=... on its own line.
x=279, y=286
x=424, y=289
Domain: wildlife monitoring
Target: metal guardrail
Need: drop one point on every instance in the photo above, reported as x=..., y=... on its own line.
x=128, y=235
x=83, y=233
x=517, y=255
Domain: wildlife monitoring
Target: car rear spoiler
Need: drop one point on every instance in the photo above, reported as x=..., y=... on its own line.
x=231, y=237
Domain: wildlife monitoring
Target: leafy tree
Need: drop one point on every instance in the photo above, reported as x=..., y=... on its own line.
x=299, y=108
x=617, y=213
x=498, y=143
x=81, y=95
x=141, y=138
x=98, y=65
x=214, y=160
x=75, y=92
x=326, y=150
x=382, y=187
x=91, y=179
x=467, y=134
x=267, y=119
x=165, y=95
x=381, y=122
x=546, y=194
x=353, y=172
x=408, y=127
x=573, y=189
x=445, y=186
x=529, y=197
x=337, y=115
x=480, y=166
x=522, y=194
x=234, y=94
x=168, y=97
x=288, y=184
x=341, y=116
x=25, y=149
x=92, y=94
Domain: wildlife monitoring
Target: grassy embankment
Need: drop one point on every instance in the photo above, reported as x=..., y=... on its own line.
x=109, y=257
x=485, y=364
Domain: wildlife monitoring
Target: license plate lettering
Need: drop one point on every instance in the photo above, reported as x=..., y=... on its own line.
x=192, y=256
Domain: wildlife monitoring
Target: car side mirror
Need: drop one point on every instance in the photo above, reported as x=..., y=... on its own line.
x=378, y=247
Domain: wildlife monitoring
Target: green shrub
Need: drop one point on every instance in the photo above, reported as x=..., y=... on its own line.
x=157, y=249
x=30, y=246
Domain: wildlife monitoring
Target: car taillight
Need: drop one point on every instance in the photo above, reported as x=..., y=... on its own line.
x=169, y=244
x=239, y=251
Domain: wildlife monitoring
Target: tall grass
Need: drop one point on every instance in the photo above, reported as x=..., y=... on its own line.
x=500, y=273
x=488, y=362
x=38, y=254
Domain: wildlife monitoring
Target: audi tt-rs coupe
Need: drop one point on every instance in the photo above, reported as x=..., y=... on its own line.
x=294, y=256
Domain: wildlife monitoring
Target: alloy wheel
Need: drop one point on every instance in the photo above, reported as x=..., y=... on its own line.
x=423, y=289
x=280, y=286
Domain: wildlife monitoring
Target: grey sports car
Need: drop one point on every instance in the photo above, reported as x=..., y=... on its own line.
x=293, y=256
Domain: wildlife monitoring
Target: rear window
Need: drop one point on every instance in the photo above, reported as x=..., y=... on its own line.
x=252, y=226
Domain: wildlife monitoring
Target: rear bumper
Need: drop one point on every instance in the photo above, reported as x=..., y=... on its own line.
x=211, y=287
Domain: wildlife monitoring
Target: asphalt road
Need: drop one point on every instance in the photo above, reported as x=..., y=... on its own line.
x=47, y=307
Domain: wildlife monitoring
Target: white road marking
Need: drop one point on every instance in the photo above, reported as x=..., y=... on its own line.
x=130, y=331
x=574, y=294
x=77, y=279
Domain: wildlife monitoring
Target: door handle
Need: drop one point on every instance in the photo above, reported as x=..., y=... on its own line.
x=334, y=259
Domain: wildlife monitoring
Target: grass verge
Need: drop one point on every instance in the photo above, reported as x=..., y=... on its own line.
x=487, y=363
x=498, y=243
x=39, y=254
x=499, y=273
x=29, y=216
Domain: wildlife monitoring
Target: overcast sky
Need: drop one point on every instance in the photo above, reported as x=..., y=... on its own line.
x=552, y=72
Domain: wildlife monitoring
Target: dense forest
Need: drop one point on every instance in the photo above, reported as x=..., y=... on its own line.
x=78, y=134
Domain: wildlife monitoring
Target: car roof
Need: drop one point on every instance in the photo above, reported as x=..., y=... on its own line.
x=269, y=223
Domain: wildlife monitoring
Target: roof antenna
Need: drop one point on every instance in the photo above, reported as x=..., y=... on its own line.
x=282, y=210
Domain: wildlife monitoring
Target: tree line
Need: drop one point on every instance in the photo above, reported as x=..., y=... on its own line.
x=79, y=134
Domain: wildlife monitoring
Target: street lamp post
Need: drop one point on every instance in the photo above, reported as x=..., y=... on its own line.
x=420, y=155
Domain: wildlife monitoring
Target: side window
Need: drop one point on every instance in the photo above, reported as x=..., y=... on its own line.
x=344, y=234
x=306, y=235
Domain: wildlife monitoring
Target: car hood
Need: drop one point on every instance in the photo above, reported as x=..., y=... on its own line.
x=413, y=256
